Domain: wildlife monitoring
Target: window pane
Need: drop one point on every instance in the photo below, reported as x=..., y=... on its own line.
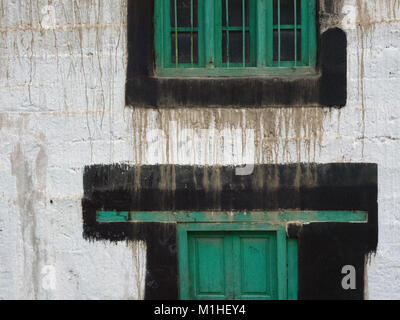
x=287, y=11
x=287, y=45
x=185, y=47
x=235, y=47
x=235, y=9
x=183, y=10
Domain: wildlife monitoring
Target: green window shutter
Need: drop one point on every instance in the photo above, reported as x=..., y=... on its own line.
x=229, y=265
x=227, y=261
x=255, y=266
x=210, y=264
x=226, y=265
x=200, y=38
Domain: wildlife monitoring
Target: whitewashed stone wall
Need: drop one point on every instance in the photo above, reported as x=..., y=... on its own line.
x=62, y=79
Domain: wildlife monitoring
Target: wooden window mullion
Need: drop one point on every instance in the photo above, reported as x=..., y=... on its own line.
x=244, y=33
x=312, y=34
x=209, y=30
x=159, y=17
x=304, y=32
x=253, y=25
x=295, y=31
x=269, y=30
x=191, y=34
x=218, y=33
x=262, y=33
x=201, y=35
x=279, y=33
x=167, y=33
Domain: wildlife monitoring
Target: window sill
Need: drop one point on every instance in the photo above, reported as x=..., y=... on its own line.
x=235, y=72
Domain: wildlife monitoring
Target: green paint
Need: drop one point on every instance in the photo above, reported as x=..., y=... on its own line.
x=273, y=218
x=191, y=34
x=176, y=34
x=269, y=21
x=244, y=33
x=227, y=261
x=282, y=263
x=210, y=32
x=158, y=34
x=279, y=33
x=114, y=216
x=242, y=255
x=309, y=32
x=209, y=42
x=292, y=269
x=295, y=27
x=227, y=29
x=263, y=33
x=312, y=33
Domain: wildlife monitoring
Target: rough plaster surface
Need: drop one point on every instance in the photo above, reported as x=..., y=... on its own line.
x=62, y=76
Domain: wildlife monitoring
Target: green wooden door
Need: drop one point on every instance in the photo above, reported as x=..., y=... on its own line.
x=242, y=255
x=232, y=265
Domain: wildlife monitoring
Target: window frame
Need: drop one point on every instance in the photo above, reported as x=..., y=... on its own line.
x=210, y=49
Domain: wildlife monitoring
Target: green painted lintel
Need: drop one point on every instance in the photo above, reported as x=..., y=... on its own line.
x=113, y=216
x=274, y=218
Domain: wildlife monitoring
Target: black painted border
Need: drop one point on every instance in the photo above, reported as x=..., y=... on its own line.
x=323, y=247
x=327, y=88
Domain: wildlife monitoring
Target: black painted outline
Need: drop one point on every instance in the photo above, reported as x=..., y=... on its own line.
x=327, y=88
x=323, y=247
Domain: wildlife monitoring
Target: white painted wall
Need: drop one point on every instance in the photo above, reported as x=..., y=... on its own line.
x=62, y=75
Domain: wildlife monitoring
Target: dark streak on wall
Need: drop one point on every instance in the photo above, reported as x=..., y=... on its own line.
x=328, y=87
x=324, y=248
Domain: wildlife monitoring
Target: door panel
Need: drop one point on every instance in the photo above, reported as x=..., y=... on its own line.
x=256, y=266
x=232, y=265
x=208, y=262
x=210, y=266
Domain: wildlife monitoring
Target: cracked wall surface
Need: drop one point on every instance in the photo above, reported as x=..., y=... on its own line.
x=62, y=107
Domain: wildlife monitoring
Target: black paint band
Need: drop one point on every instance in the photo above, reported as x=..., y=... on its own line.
x=323, y=247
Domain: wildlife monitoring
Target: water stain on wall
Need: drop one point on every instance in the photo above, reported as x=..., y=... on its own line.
x=280, y=135
x=75, y=42
x=139, y=249
x=27, y=196
x=369, y=15
x=276, y=134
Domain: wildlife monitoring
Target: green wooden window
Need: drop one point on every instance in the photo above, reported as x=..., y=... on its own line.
x=234, y=37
